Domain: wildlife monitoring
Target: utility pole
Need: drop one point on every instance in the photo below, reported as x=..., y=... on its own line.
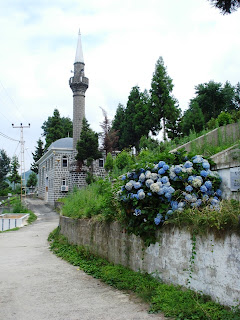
x=22, y=162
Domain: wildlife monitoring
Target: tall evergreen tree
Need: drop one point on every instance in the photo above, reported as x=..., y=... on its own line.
x=37, y=155
x=87, y=146
x=32, y=180
x=162, y=102
x=118, y=125
x=4, y=169
x=56, y=127
x=192, y=119
x=14, y=176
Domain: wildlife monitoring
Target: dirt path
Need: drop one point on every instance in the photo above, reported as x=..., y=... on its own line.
x=36, y=285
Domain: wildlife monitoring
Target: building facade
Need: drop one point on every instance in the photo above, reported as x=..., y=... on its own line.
x=58, y=171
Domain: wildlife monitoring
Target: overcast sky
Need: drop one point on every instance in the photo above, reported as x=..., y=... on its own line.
x=121, y=39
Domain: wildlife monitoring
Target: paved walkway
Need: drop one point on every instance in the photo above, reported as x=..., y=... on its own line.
x=37, y=285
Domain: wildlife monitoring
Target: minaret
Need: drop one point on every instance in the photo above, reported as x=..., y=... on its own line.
x=79, y=84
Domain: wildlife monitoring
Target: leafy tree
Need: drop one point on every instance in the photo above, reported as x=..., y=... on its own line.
x=213, y=98
x=109, y=162
x=124, y=160
x=108, y=135
x=162, y=102
x=192, y=119
x=4, y=169
x=226, y=6
x=37, y=155
x=87, y=146
x=118, y=125
x=56, y=127
x=32, y=180
x=224, y=118
x=14, y=176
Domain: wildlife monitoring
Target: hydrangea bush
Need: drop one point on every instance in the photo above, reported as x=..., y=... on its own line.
x=151, y=195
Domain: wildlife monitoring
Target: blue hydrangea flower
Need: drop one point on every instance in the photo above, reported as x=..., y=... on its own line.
x=208, y=184
x=205, y=197
x=170, y=189
x=191, y=178
x=206, y=165
x=197, y=159
x=204, y=173
x=174, y=205
x=149, y=194
x=188, y=197
x=158, y=219
x=161, y=171
x=177, y=169
x=124, y=178
x=161, y=164
x=168, y=195
x=164, y=179
x=218, y=192
x=137, y=212
x=141, y=195
x=203, y=188
x=137, y=185
x=189, y=188
x=165, y=167
x=169, y=212
x=188, y=164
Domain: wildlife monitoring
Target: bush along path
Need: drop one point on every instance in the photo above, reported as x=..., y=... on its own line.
x=173, y=301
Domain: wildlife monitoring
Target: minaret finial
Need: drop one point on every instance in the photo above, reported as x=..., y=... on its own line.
x=79, y=52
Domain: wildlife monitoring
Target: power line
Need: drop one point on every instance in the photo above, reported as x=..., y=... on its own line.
x=7, y=137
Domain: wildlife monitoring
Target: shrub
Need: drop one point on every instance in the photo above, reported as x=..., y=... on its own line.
x=153, y=194
x=109, y=162
x=124, y=159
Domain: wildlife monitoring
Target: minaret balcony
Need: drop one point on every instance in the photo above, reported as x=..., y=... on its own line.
x=78, y=80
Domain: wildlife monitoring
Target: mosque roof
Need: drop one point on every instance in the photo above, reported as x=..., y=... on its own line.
x=64, y=143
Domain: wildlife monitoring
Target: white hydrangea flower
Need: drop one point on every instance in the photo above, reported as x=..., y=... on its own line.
x=154, y=187
x=154, y=176
x=148, y=174
x=129, y=186
x=142, y=177
x=149, y=182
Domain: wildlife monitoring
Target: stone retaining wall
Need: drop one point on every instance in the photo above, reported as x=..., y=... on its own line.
x=216, y=266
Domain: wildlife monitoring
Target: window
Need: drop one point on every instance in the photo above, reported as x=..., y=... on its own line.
x=64, y=182
x=100, y=163
x=64, y=162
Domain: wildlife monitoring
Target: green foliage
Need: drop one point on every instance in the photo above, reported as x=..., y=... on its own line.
x=14, y=176
x=4, y=169
x=161, y=100
x=90, y=178
x=226, y=6
x=32, y=180
x=174, y=301
x=37, y=155
x=96, y=199
x=109, y=162
x=148, y=143
x=56, y=127
x=192, y=119
x=124, y=160
x=224, y=118
x=118, y=125
x=18, y=207
x=200, y=220
x=87, y=146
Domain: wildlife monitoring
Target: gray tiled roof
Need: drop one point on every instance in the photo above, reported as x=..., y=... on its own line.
x=64, y=143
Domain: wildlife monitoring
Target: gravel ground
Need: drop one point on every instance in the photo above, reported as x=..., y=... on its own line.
x=35, y=284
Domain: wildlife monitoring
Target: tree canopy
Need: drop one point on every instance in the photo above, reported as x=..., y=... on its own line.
x=163, y=104
x=87, y=146
x=32, y=180
x=226, y=6
x=56, y=127
x=4, y=168
x=14, y=176
x=37, y=155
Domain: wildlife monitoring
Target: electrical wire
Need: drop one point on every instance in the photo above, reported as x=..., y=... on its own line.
x=7, y=137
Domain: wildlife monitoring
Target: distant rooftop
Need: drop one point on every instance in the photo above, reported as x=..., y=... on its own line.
x=64, y=143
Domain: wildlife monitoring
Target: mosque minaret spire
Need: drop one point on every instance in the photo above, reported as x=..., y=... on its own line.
x=79, y=84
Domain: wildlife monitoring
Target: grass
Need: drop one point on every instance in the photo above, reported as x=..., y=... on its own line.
x=227, y=219
x=173, y=301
